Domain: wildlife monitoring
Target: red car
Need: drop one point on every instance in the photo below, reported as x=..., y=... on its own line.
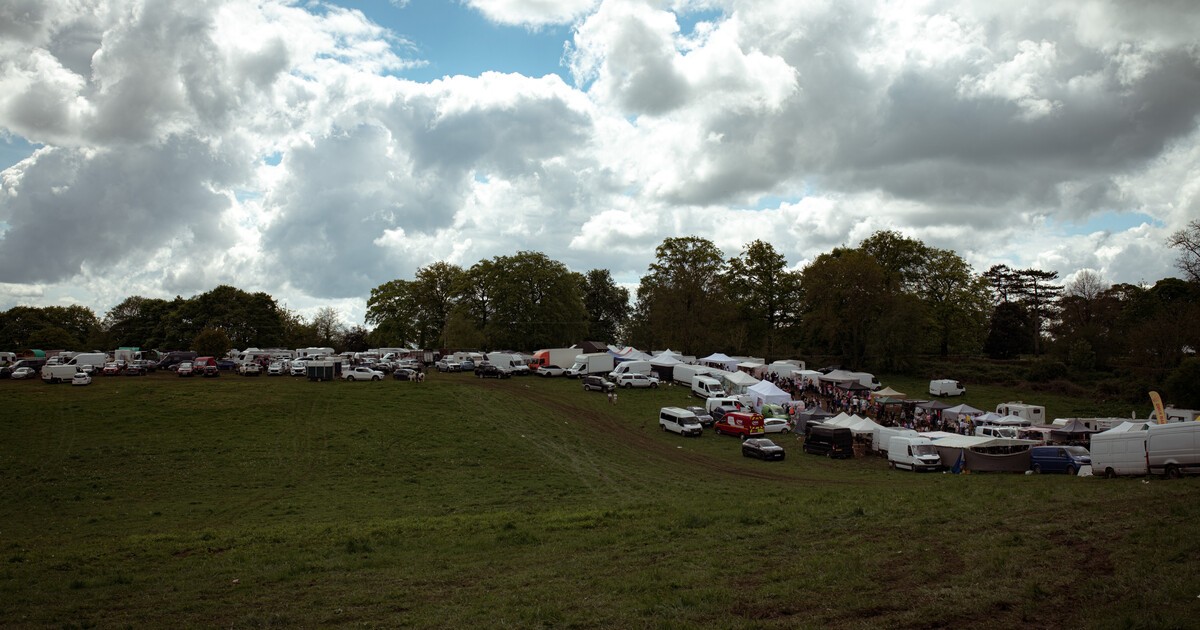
x=740, y=423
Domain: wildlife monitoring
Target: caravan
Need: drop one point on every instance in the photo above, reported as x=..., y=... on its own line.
x=1034, y=414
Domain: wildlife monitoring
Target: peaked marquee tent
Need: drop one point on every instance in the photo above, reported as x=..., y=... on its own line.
x=765, y=392
x=721, y=361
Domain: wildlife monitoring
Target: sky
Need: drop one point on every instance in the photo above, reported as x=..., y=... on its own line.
x=317, y=149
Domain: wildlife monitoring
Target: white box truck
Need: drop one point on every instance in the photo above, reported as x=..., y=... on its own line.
x=1119, y=452
x=882, y=437
x=1173, y=449
x=946, y=387
x=683, y=373
x=592, y=363
x=913, y=453
x=707, y=387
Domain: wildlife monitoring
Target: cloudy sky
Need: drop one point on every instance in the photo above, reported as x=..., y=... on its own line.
x=316, y=149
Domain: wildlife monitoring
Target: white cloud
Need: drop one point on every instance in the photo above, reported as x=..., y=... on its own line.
x=533, y=13
x=269, y=135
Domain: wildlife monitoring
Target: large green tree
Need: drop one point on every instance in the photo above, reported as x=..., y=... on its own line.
x=681, y=300
x=607, y=305
x=845, y=296
x=766, y=295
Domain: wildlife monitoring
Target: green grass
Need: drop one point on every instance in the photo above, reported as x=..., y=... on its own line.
x=528, y=503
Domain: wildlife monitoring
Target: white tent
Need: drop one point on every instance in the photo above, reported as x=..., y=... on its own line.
x=664, y=359
x=964, y=409
x=669, y=354
x=765, y=392
x=737, y=382
x=841, y=420
x=1126, y=427
x=721, y=361
x=863, y=426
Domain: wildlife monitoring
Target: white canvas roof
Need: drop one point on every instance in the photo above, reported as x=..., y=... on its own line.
x=1126, y=427
x=720, y=360
x=768, y=393
x=864, y=425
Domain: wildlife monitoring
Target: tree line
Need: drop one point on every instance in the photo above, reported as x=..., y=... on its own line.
x=880, y=305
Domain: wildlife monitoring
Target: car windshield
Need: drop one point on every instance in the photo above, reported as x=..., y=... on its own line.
x=1078, y=451
x=924, y=449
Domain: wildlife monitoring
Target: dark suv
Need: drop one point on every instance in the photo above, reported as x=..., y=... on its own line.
x=487, y=370
x=597, y=383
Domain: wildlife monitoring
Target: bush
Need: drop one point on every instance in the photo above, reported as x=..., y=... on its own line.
x=1183, y=385
x=1044, y=371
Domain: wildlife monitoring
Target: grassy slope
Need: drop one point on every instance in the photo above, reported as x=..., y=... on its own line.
x=252, y=502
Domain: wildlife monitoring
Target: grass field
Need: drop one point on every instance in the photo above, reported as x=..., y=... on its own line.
x=267, y=502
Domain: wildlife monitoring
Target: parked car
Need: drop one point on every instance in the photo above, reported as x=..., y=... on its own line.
x=87, y=368
x=1055, y=459
x=185, y=369
x=81, y=378
x=226, y=365
x=550, y=370
x=250, y=369
x=146, y=366
x=447, y=365
x=702, y=416
x=721, y=411
x=133, y=370
x=762, y=448
x=210, y=371
x=298, y=368
x=111, y=369
x=598, y=384
x=487, y=370
x=23, y=373
x=362, y=373
x=404, y=374
x=466, y=365
x=775, y=425
x=275, y=369
x=636, y=380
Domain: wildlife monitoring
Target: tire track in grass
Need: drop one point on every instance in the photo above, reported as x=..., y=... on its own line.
x=612, y=428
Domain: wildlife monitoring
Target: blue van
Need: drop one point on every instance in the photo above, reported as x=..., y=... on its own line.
x=1056, y=459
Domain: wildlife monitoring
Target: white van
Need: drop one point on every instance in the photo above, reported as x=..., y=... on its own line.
x=946, y=387
x=1119, y=452
x=94, y=359
x=629, y=367
x=707, y=387
x=679, y=421
x=58, y=373
x=913, y=453
x=1035, y=414
x=726, y=401
x=1173, y=449
x=994, y=431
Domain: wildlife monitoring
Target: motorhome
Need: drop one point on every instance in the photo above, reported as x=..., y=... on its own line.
x=1120, y=451
x=1173, y=449
x=1035, y=414
x=304, y=353
x=706, y=387
x=1177, y=415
